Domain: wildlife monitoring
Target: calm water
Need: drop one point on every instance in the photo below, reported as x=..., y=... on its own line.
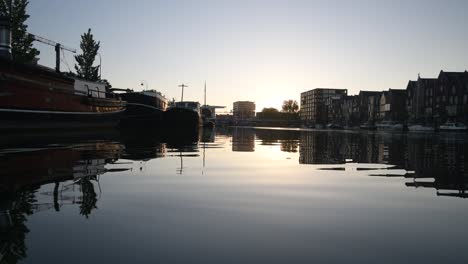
x=234, y=196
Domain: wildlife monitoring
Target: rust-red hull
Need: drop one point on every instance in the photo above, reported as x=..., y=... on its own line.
x=33, y=97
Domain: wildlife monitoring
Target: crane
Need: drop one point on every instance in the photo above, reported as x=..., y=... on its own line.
x=58, y=48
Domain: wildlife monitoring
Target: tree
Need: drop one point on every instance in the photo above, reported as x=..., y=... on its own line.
x=290, y=106
x=269, y=113
x=106, y=82
x=21, y=41
x=84, y=67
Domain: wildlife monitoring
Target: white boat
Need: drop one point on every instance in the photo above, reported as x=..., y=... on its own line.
x=450, y=126
x=389, y=125
x=420, y=128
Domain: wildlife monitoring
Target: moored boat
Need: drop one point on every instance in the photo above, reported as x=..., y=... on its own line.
x=36, y=97
x=420, y=128
x=367, y=126
x=335, y=126
x=452, y=126
x=183, y=115
x=389, y=125
x=143, y=108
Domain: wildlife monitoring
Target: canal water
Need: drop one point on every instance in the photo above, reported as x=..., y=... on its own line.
x=238, y=195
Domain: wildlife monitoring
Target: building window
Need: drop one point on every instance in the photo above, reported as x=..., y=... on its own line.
x=465, y=99
x=443, y=98
x=454, y=89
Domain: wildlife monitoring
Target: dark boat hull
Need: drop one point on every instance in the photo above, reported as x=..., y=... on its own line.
x=143, y=110
x=140, y=114
x=11, y=119
x=179, y=119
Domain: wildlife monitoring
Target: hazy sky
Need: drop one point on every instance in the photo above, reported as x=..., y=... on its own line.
x=263, y=51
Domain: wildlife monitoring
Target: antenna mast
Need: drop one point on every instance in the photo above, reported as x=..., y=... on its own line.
x=183, y=86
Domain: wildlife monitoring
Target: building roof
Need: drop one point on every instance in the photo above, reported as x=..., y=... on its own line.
x=397, y=91
x=325, y=89
x=237, y=102
x=369, y=92
x=462, y=76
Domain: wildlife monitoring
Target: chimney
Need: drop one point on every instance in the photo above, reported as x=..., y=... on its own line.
x=5, y=38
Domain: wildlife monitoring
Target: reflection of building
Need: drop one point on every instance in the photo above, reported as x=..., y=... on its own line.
x=243, y=110
x=442, y=160
x=317, y=104
x=243, y=140
x=438, y=163
x=321, y=148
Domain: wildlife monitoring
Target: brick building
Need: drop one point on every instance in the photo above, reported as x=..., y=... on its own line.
x=317, y=105
x=393, y=106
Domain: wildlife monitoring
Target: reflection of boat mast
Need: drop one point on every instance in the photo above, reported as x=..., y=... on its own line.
x=181, y=169
x=204, y=149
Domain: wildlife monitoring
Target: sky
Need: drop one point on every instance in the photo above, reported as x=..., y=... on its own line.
x=265, y=51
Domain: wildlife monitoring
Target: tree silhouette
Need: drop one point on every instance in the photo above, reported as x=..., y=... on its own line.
x=84, y=67
x=21, y=41
x=290, y=106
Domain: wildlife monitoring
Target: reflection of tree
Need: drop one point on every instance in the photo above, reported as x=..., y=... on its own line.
x=89, y=196
x=12, y=226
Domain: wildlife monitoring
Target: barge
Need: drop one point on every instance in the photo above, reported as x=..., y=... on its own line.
x=37, y=97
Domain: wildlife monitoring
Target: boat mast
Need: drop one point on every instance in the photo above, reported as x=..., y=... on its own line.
x=183, y=86
x=205, y=94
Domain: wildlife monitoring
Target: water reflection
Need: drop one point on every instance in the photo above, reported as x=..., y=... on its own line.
x=288, y=140
x=429, y=161
x=43, y=172
x=243, y=139
x=63, y=175
x=437, y=161
x=73, y=170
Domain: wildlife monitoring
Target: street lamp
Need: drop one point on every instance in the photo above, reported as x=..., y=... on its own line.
x=144, y=82
x=100, y=65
